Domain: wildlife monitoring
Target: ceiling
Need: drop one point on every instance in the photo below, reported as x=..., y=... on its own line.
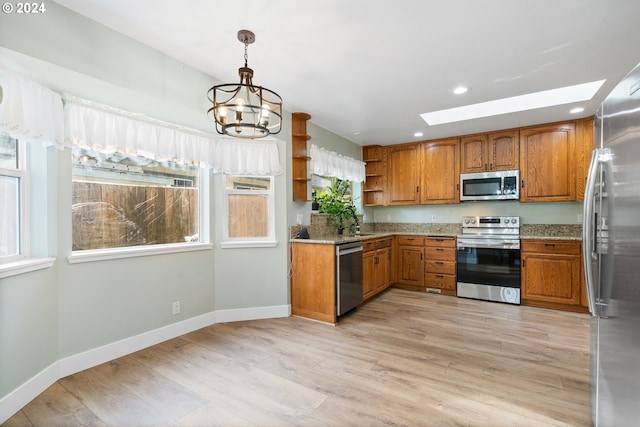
x=366, y=69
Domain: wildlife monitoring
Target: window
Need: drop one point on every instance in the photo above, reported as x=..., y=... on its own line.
x=250, y=219
x=14, y=212
x=125, y=200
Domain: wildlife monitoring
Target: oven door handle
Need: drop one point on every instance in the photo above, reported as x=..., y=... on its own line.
x=500, y=244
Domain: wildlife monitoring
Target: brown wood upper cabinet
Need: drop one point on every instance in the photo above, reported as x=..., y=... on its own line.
x=403, y=174
x=495, y=151
x=374, y=189
x=440, y=178
x=548, y=163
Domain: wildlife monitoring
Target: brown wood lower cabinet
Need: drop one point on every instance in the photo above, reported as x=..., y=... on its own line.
x=313, y=281
x=410, y=263
x=440, y=266
x=377, y=265
x=552, y=274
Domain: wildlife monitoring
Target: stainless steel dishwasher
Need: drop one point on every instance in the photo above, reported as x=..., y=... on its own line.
x=348, y=276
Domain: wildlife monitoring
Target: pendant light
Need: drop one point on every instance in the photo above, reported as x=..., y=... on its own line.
x=243, y=110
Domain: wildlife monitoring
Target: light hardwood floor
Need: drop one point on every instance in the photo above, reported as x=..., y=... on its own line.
x=405, y=358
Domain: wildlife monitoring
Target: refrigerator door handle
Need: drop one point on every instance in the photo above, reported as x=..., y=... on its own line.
x=589, y=249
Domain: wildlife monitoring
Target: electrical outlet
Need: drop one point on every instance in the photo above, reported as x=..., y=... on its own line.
x=388, y=217
x=175, y=308
x=579, y=218
x=299, y=219
x=433, y=218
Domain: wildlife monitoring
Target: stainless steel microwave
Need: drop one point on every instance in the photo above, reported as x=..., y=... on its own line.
x=501, y=185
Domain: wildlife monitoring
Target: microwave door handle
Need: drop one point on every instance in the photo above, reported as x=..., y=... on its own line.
x=588, y=234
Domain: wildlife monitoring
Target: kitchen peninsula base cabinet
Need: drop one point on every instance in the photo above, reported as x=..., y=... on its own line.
x=552, y=274
x=313, y=281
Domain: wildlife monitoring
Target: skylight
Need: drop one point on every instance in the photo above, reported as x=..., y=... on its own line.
x=531, y=101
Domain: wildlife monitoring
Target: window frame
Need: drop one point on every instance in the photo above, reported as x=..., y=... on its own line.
x=268, y=241
x=22, y=173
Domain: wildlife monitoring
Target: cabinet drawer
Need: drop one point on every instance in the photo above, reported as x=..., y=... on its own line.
x=441, y=281
x=442, y=254
x=551, y=246
x=368, y=245
x=443, y=242
x=410, y=241
x=384, y=243
x=441, y=267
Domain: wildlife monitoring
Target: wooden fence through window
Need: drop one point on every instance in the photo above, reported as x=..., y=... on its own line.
x=111, y=215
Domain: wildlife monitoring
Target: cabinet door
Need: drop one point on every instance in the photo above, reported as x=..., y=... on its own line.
x=504, y=150
x=403, y=174
x=411, y=265
x=584, y=146
x=551, y=278
x=547, y=163
x=474, y=156
x=382, y=269
x=440, y=172
x=368, y=273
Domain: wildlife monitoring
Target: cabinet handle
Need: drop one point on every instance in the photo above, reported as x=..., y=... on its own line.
x=522, y=263
x=485, y=166
x=490, y=166
x=439, y=262
x=439, y=276
x=388, y=255
x=523, y=183
x=417, y=189
x=458, y=187
x=420, y=255
x=439, y=249
x=376, y=260
x=550, y=244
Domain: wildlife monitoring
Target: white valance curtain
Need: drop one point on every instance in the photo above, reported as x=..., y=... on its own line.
x=330, y=163
x=105, y=129
x=30, y=111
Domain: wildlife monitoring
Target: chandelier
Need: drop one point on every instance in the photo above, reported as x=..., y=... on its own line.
x=244, y=110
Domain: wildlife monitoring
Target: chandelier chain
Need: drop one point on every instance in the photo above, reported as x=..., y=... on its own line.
x=246, y=55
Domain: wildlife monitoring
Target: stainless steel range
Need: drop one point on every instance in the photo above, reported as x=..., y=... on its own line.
x=488, y=259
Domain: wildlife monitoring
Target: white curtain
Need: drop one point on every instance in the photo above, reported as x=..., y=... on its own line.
x=30, y=111
x=101, y=128
x=330, y=163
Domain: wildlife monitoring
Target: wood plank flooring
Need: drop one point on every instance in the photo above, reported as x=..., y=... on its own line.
x=405, y=358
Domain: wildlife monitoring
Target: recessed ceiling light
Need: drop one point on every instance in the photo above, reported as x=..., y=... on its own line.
x=356, y=132
x=417, y=134
x=576, y=110
x=546, y=98
x=460, y=90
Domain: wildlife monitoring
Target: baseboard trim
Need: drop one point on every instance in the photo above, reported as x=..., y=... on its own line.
x=253, y=313
x=96, y=356
x=26, y=392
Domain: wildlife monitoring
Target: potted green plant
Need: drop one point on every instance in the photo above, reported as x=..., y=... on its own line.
x=336, y=202
x=314, y=200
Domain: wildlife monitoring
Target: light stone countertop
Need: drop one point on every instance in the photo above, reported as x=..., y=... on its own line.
x=527, y=231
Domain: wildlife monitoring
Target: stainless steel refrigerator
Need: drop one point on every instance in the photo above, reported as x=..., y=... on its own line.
x=611, y=251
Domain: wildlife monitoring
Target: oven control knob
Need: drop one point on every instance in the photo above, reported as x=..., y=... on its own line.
x=473, y=221
x=514, y=220
x=466, y=220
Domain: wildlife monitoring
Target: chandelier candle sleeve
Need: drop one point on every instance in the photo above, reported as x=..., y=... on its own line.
x=258, y=110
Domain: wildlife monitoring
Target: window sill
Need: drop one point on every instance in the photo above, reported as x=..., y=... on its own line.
x=25, y=266
x=249, y=244
x=135, y=251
